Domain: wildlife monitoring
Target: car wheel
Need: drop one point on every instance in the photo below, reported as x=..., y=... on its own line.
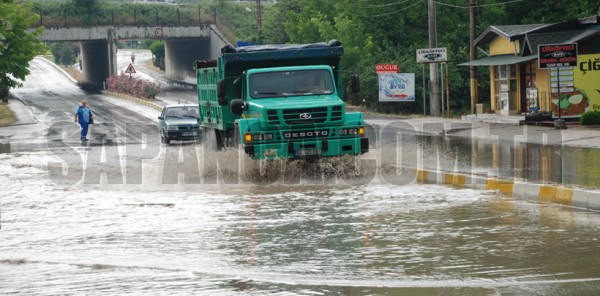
x=164, y=139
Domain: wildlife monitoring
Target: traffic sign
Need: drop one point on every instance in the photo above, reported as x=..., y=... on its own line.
x=432, y=55
x=130, y=69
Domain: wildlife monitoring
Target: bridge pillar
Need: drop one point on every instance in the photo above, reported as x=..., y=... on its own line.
x=99, y=61
x=180, y=55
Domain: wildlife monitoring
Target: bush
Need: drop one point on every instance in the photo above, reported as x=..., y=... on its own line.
x=133, y=86
x=158, y=54
x=63, y=53
x=590, y=118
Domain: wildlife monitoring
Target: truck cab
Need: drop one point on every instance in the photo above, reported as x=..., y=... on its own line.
x=283, y=102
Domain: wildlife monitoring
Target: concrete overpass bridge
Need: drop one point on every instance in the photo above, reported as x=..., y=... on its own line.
x=183, y=45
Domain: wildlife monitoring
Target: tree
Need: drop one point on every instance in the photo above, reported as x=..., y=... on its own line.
x=63, y=53
x=158, y=52
x=88, y=4
x=18, y=45
x=384, y=31
x=87, y=8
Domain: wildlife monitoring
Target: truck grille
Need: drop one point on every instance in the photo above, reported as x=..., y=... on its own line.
x=272, y=117
x=336, y=113
x=305, y=115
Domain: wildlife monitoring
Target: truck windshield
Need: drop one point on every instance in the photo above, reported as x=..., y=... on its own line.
x=291, y=83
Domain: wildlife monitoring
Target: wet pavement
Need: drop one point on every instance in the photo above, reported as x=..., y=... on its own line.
x=127, y=215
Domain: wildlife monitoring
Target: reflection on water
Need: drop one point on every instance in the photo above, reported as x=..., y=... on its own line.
x=526, y=161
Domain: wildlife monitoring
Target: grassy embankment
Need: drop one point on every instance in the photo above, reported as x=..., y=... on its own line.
x=7, y=116
x=77, y=75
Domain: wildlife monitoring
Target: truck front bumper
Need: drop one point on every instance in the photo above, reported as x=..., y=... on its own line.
x=308, y=148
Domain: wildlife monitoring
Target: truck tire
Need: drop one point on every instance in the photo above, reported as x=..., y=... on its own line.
x=212, y=139
x=235, y=138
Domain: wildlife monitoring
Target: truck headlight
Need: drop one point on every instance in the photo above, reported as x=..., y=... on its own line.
x=262, y=137
x=247, y=137
x=352, y=131
x=343, y=132
x=361, y=131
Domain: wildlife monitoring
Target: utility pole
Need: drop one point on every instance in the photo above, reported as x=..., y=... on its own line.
x=473, y=55
x=434, y=103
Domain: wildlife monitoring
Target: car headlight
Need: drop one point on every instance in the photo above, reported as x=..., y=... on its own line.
x=172, y=127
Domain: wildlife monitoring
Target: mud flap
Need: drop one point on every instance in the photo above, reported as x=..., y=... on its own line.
x=364, y=145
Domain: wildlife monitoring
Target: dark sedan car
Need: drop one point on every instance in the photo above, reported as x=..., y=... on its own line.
x=179, y=123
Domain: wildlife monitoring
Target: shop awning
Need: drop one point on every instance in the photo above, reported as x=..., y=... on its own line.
x=505, y=59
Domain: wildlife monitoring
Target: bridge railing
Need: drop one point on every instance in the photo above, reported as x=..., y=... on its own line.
x=64, y=15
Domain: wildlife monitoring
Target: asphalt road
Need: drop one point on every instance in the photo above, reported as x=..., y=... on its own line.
x=53, y=98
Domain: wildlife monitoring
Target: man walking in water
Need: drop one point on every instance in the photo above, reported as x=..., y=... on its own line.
x=84, y=116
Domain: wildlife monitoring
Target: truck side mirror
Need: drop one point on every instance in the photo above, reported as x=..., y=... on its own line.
x=238, y=106
x=221, y=92
x=355, y=83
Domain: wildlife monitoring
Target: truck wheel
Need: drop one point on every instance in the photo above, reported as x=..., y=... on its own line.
x=210, y=139
x=220, y=139
x=235, y=138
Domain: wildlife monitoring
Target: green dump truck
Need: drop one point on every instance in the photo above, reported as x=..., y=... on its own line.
x=279, y=101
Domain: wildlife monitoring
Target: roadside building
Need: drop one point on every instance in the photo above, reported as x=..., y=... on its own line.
x=519, y=86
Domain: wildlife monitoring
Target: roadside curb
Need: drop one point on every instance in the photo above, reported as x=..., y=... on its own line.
x=58, y=68
x=580, y=198
x=26, y=108
x=134, y=99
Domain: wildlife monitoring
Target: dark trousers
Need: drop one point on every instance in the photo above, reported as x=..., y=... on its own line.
x=84, y=129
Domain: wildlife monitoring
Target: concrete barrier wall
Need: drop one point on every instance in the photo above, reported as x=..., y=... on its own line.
x=96, y=61
x=180, y=55
x=148, y=103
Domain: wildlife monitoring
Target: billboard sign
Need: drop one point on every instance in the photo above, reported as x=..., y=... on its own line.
x=397, y=87
x=432, y=55
x=557, y=55
x=386, y=68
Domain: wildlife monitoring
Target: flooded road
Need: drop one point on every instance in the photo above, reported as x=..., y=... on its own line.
x=373, y=239
x=131, y=216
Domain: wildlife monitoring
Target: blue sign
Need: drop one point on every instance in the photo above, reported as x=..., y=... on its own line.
x=397, y=87
x=244, y=43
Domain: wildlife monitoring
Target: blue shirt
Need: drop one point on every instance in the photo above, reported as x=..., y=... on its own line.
x=83, y=114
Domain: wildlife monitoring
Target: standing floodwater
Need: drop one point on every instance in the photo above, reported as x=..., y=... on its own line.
x=373, y=239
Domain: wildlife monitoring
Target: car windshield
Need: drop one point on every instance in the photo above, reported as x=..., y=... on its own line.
x=291, y=83
x=182, y=112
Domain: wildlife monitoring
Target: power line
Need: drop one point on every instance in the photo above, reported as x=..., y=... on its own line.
x=477, y=6
x=392, y=12
x=385, y=5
